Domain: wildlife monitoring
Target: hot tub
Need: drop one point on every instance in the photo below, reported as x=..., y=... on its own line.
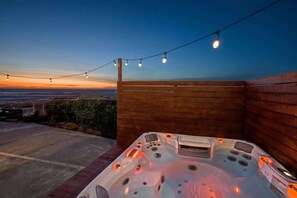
x=181, y=166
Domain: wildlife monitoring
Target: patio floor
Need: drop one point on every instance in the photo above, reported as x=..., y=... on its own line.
x=35, y=159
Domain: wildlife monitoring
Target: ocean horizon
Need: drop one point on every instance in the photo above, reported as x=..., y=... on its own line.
x=22, y=95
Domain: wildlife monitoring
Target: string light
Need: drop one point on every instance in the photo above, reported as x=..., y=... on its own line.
x=59, y=77
x=164, y=60
x=216, y=42
x=86, y=74
x=51, y=81
x=140, y=63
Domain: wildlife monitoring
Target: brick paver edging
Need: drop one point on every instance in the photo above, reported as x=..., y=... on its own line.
x=73, y=186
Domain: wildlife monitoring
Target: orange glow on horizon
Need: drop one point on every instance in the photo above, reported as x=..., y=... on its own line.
x=65, y=83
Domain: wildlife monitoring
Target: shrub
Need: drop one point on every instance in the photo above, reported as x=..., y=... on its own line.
x=93, y=114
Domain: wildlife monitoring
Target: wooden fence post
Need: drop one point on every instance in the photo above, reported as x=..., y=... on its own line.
x=119, y=88
x=120, y=70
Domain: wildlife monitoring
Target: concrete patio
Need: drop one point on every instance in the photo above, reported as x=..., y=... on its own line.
x=35, y=159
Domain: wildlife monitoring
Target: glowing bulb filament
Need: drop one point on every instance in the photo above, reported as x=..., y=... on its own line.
x=140, y=63
x=115, y=64
x=86, y=75
x=164, y=60
x=7, y=77
x=126, y=63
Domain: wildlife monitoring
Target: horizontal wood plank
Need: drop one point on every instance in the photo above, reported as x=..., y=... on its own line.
x=272, y=124
x=277, y=107
x=188, y=83
x=185, y=94
x=179, y=116
x=272, y=115
x=272, y=133
x=290, y=88
x=155, y=98
x=179, y=105
x=280, y=78
x=275, y=97
x=173, y=88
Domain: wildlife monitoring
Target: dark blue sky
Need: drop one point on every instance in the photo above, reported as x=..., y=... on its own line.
x=48, y=38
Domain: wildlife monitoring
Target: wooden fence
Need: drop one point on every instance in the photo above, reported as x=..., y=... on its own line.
x=263, y=111
x=208, y=108
x=194, y=108
x=271, y=116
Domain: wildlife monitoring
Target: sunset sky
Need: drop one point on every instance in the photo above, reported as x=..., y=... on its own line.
x=52, y=38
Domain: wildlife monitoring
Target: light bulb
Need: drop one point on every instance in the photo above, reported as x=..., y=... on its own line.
x=126, y=63
x=115, y=64
x=51, y=81
x=7, y=77
x=216, y=42
x=164, y=60
x=86, y=75
x=140, y=63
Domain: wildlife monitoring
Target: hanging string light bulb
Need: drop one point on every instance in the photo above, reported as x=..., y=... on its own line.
x=114, y=62
x=126, y=63
x=140, y=63
x=86, y=74
x=164, y=60
x=216, y=42
x=7, y=77
x=51, y=81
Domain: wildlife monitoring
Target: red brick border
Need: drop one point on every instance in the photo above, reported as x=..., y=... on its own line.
x=73, y=186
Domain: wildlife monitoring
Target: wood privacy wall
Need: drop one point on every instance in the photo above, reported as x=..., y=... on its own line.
x=263, y=111
x=271, y=116
x=210, y=108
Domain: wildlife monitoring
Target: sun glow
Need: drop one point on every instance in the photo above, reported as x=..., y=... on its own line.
x=65, y=83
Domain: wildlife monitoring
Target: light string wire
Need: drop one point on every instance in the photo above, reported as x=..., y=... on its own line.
x=59, y=77
x=164, y=53
x=207, y=35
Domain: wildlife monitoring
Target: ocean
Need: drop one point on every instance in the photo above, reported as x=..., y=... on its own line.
x=22, y=95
